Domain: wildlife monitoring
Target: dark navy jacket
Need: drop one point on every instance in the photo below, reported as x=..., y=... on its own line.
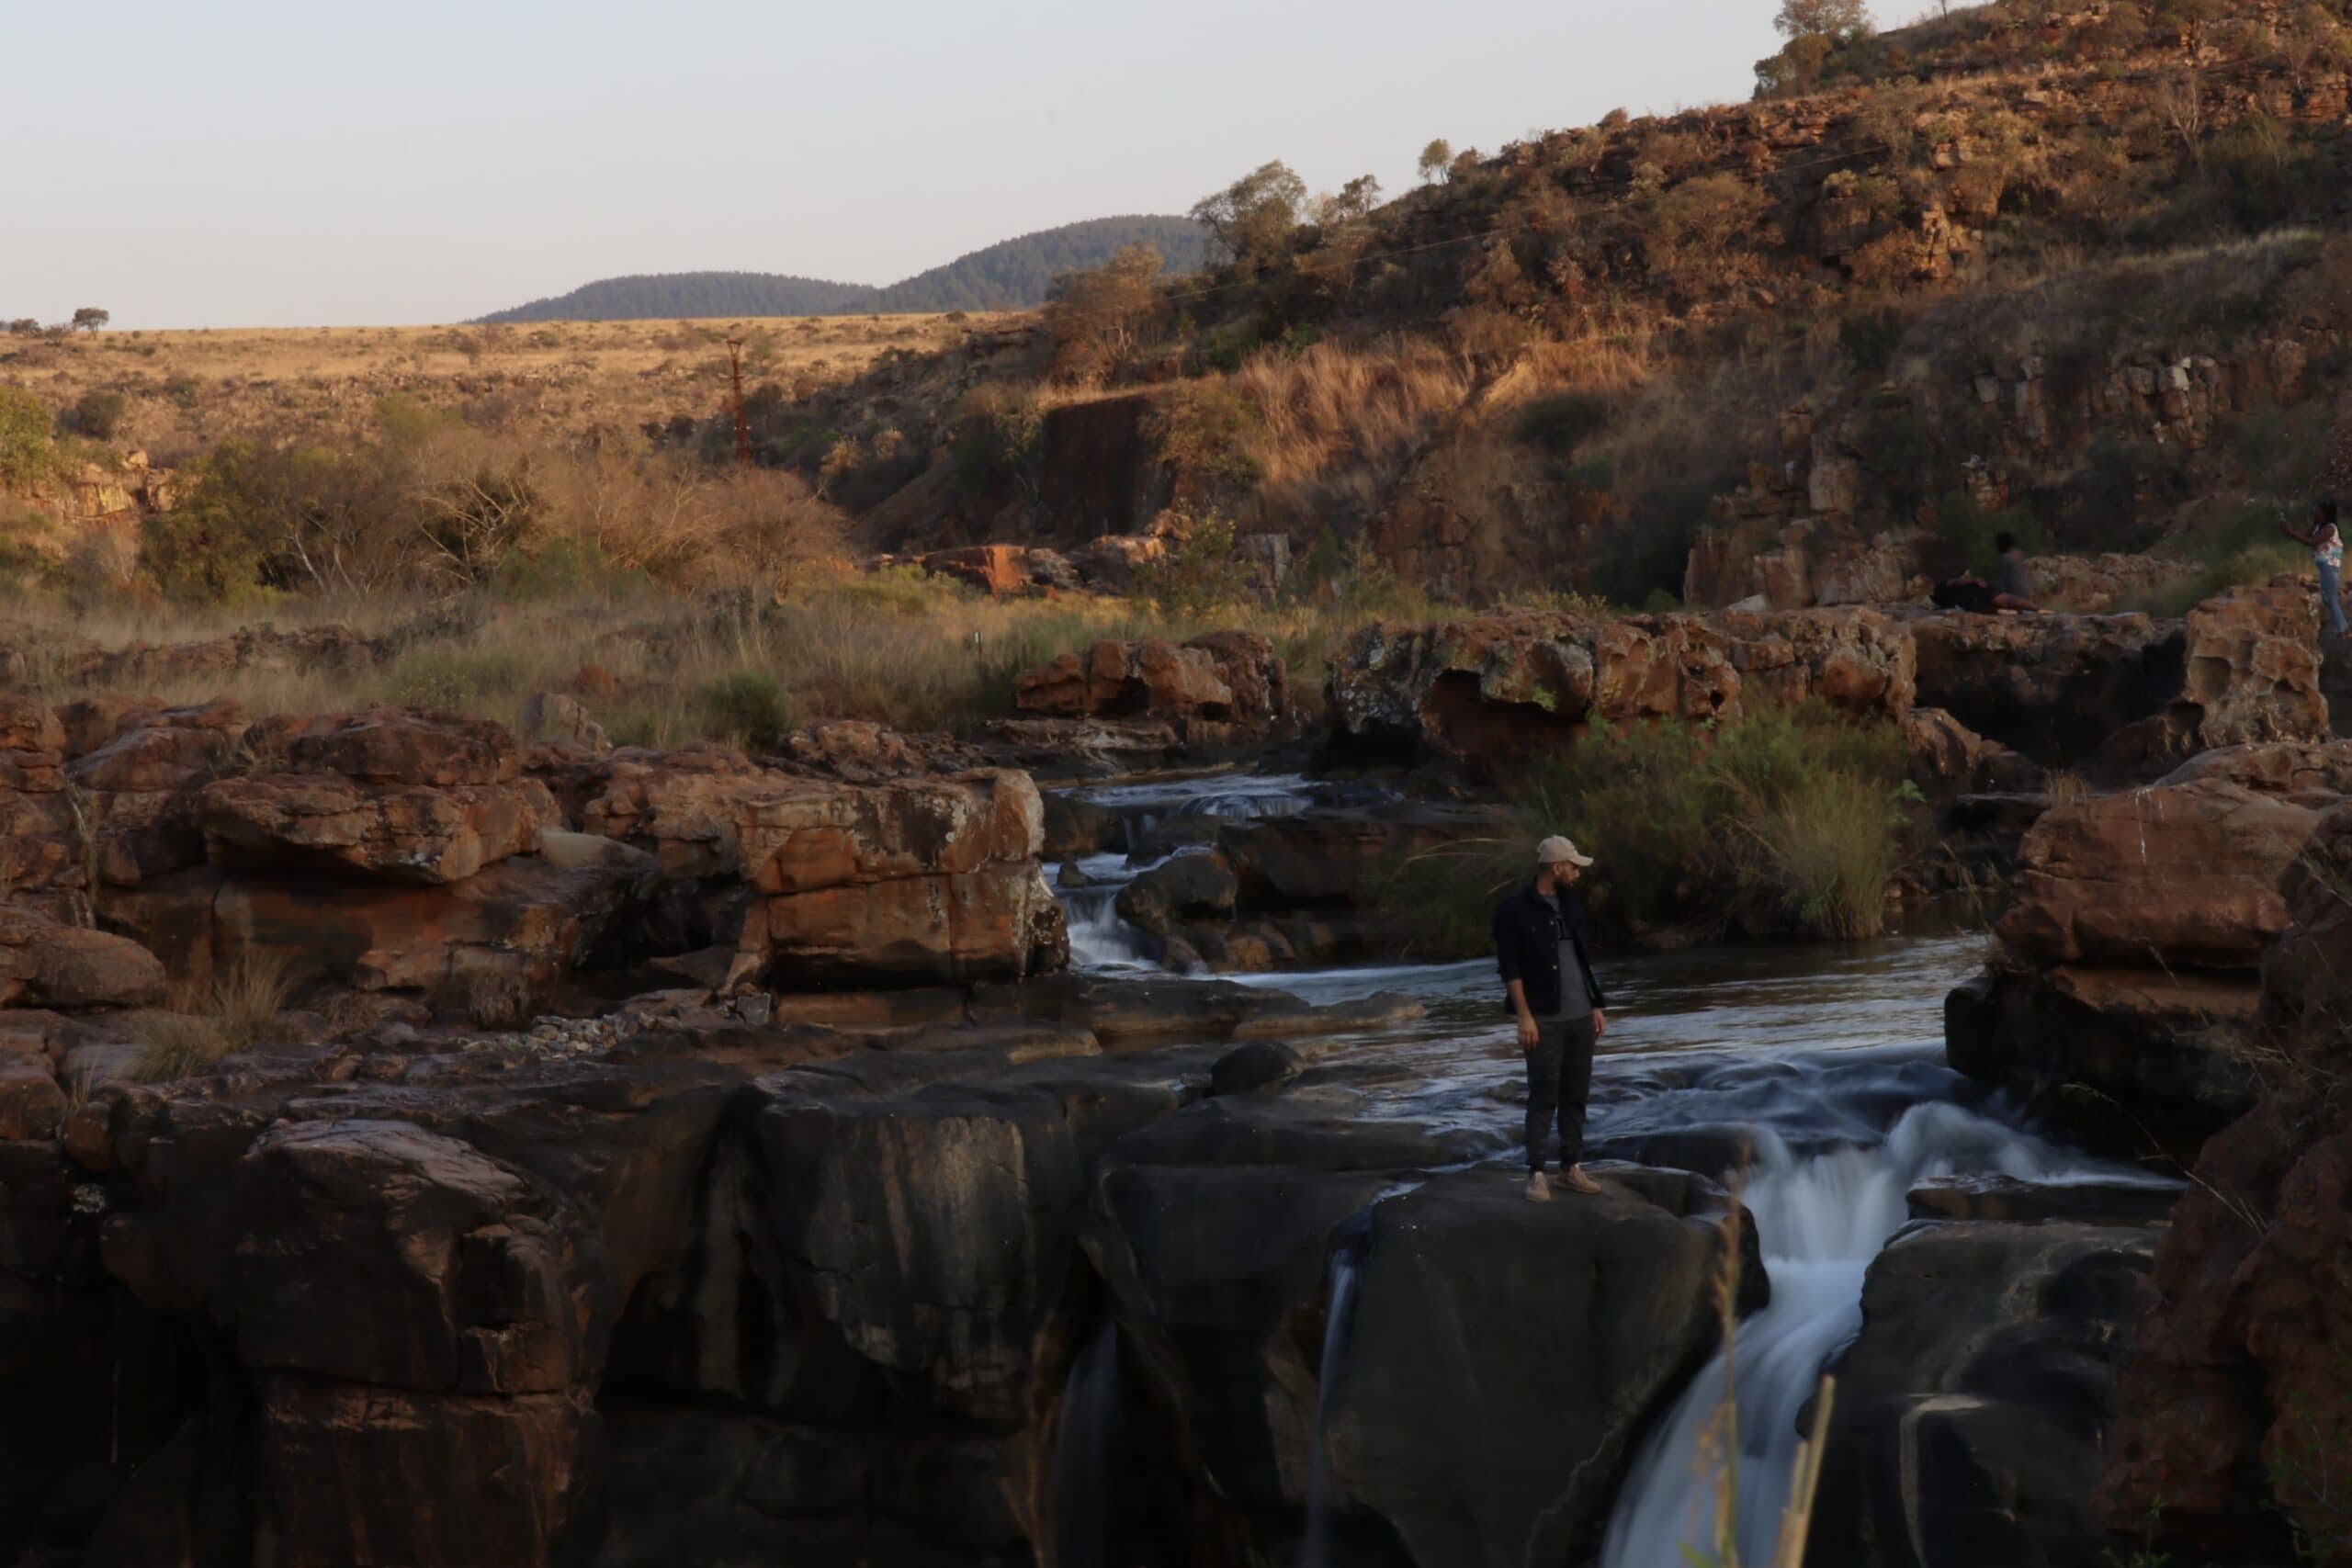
x=1527, y=946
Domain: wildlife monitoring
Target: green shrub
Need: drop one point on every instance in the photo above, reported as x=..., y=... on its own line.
x=1000, y=440
x=28, y=454
x=901, y=591
x=556, y=568
x=1211, y=428
x=1962, y=540
x=451, y=680
x=98, y=413
x=750, y=707
x=2121, y=484
x=1826, y=851
x=1200, y=575
x=1788, y=823
x=1870, y=338
x=2250, y=565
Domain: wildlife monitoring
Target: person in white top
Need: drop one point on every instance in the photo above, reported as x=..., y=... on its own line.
x=2327, y=540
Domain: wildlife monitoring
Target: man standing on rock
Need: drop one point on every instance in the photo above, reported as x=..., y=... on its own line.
x=1546, y=967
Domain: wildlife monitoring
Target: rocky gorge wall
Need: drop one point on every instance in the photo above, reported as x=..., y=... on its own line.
x=2122, y=695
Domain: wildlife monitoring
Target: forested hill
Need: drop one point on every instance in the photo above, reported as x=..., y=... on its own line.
x=1011, y=275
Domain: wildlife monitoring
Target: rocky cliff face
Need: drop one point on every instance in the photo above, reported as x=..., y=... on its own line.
x=2126, y=695
x=2130, y=960
x=2237, y=1408
x=1484, y=692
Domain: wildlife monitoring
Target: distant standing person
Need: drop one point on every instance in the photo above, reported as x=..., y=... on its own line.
x=2326, y=540
x=1546, y=964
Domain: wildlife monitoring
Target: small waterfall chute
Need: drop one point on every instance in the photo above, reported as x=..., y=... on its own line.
x=1821, y=1219
x=1347, y=1268
x=1084, y=1440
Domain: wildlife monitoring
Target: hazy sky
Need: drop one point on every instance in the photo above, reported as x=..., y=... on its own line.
x=225, y=163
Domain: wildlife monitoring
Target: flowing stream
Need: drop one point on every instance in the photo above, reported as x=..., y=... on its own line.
x=1822, y=1063
x=1820, y=1219
x=1100, y=941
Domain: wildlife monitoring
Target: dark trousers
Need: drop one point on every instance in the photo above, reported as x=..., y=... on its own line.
x=1559, y=1081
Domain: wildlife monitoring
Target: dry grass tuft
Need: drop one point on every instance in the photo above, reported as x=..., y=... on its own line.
x=236, y=1011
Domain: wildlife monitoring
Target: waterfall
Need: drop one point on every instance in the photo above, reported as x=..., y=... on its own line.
x=1347, y=1263
x=1099, y=938
x=1820, y=1220
x=1090, y=1429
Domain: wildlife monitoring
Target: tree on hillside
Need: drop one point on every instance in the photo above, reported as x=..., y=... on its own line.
x=1356, y=199
x=2186, y=19
x=1254, y=218
x=1437, y=158
x=1840, y=21
x=89, y=318
x=2312, y=39
x=1096, y=318
x=28, y=454
x=2179, y=101
x=25, y=326
x=1694, y=230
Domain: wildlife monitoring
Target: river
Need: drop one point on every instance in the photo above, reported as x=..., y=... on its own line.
x=1816, y=1069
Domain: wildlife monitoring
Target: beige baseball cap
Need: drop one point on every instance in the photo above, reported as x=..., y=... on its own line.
x=1555, y=849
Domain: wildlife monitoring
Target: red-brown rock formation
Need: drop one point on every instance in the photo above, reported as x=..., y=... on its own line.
x=2237, y=1402
x=1223, y=686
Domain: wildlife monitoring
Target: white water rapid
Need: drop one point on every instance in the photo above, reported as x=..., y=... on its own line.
x=1100, y=941
x=1082, y=1444
x=1345, y=1264
x=1819, y=1219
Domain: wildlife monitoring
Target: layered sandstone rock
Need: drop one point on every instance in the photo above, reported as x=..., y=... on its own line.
x=858, y=751
x=1224, y=685
x=1003, y=569
x=46, y=964
x=2235, y=1404
x=2252, y=668
x=1494, y=687
x=907, y=883
x=395, y=833
x=1858, y=662
x=2129, y=958
x=1947, y=757
x=2054, y=687
x=1481, y=691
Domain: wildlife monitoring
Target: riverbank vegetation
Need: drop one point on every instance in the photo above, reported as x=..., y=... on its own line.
x=1791, y=822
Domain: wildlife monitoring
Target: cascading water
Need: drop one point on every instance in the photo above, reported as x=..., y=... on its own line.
x=1099, y=940
x=1347, y=1262
x=1082, y=1448
x=1820, y=1220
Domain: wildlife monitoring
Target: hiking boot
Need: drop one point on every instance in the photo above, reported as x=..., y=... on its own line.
x=1538, y=1189
x=1576, y=1181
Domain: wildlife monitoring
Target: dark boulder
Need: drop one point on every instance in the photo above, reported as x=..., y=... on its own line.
x=1971, y=1414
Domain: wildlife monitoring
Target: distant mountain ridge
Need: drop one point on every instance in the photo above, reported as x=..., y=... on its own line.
x=1011, y=275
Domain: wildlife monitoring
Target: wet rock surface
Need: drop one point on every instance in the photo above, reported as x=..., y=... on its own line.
x=1971, y=1414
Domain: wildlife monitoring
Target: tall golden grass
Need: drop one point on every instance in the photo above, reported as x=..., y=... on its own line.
x=918, y=652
